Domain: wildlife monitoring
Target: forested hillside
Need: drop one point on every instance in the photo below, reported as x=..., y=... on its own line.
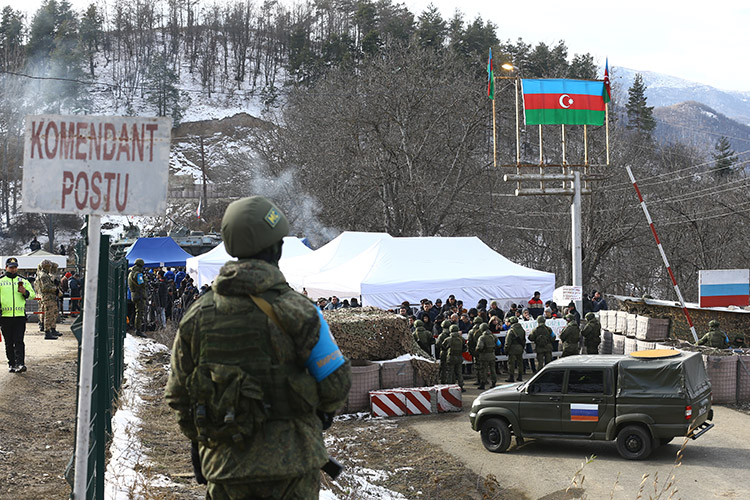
x=366, y=116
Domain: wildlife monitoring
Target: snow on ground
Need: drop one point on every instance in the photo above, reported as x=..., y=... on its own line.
x=123, y=479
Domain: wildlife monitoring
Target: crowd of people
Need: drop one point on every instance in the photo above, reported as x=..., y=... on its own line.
x=454, y=330
x=159, y=295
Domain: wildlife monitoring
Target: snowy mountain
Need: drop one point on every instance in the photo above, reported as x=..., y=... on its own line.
x=666, y=90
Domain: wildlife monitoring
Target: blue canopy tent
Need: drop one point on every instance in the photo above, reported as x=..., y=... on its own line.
x=157, y=252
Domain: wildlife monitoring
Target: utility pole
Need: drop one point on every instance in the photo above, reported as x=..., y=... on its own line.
x=203, y=172
x=575, y=215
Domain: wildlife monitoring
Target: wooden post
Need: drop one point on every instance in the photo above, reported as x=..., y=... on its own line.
x=606, y=127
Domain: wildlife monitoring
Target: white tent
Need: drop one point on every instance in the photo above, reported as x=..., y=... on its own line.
x=205, y=267
x=398, y=269
x=337, y=251
x=32, y=259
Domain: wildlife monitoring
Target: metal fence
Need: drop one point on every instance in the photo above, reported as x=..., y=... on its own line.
x=108, y=364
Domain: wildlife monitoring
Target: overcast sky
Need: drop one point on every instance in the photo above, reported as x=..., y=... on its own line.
x=706, y=44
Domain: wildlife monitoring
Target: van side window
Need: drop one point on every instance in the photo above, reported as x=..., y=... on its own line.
x=586, y=382
x=549, y=381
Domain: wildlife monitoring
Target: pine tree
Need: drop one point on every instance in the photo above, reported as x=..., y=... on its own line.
x=431, y=29
x=162, y=91
x=725, y=158
x=91, y=34
x=640, y=114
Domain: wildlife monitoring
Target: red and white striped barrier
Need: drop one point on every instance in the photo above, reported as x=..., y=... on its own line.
x=387, y=403
x=419, y=400
x=449, y=398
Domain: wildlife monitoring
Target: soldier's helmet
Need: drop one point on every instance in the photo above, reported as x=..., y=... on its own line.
x=139, y=262
x=419, y=322
x=569, y=317
x=541, y=320
x=590, y=316
x=251, y=225
x=45, y=265
x=485, y=327
x=713, y=324
x=477, y=320
x=454, y=328
x=513, y=320
x=446, y=323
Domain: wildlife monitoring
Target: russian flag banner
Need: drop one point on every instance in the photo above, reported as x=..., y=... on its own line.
x=724, y=287
x=582, y=412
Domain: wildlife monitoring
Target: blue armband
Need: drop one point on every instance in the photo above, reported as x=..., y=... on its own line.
x=325, y=357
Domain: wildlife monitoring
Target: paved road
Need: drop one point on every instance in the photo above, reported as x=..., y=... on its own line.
x=714, y=466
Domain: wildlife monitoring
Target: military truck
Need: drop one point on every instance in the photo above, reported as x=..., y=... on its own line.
x=641, y=401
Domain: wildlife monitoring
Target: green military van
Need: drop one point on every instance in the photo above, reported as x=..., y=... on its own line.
x=641, y=400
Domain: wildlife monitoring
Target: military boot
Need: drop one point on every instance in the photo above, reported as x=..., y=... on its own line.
x=520, y=378
x=20, y=368
x=48, y=335
x=140, y=333
x=510, y=378
x=481, y=387
x=56, y=333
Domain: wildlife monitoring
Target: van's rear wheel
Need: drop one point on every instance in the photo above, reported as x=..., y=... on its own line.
x=634, y=442
x=495, y=435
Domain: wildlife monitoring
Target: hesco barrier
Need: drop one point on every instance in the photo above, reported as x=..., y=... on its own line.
x=365, y=378
x=108, y=364
x=722, y=371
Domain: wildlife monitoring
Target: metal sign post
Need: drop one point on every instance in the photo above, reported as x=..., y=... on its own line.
x=86, y=370
x=94, y=165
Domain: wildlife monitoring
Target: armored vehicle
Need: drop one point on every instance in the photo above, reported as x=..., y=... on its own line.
x=641, y=401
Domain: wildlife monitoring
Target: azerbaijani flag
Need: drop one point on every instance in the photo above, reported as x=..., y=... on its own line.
x=607, y=89
x=490, y=78
x=581, y=412
x=566, y=102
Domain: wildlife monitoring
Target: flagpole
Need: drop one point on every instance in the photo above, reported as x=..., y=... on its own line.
x=494, y=133
x=518, y=138
x=606, y=127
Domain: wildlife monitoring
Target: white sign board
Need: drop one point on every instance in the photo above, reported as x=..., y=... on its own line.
x=101, y=165
x=572, y=293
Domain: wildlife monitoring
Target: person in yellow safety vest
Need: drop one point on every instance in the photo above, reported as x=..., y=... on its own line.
x=14, y=292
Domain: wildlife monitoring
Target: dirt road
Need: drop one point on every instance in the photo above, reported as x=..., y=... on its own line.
x=37, y=417
x=714, y=466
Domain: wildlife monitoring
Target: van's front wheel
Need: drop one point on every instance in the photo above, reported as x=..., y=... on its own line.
x=495, y=435
x=634, y=442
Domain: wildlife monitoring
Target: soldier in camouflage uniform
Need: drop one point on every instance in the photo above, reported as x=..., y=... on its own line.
x=137, y=285
x=592, y=334
x=486, y=354
x=422, y=336
x=473, y=335
x=570, y=337
x=256, y=375
x=715, y=337
x=515, y=341
x=542, y=337
x=441, y=352
x=455, y=346
x=47, y=289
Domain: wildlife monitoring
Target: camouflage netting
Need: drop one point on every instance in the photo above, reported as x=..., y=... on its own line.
x=372, y=334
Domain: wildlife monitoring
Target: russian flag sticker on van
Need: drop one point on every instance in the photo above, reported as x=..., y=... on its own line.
x=581, y=412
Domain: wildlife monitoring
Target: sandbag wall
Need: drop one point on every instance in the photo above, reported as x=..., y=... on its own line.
x=624, y=333
x=728, y=370
x=383, y=352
